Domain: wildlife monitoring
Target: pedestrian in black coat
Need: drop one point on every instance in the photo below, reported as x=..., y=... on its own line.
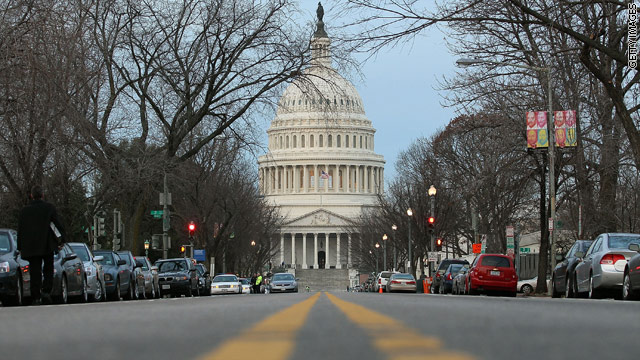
x=37, y=242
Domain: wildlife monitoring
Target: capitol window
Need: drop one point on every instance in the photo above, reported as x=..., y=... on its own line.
x=294, y=141
x=302, y=141
x=311, y=141
x=346, y=139
x=321, y=141
x=287, y=141
x=330, y=140
x=338, y=141
x=360, y=141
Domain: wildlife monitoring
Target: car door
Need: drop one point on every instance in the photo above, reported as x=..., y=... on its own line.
x=77, y=270
x=561, y=270
x=584, y=268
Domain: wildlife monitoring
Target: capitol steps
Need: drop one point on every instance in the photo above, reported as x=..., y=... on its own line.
x=323, y=279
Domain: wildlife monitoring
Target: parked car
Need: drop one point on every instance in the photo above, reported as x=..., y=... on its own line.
x=492, y=273
x=459, y=286
x=204, y=280
x=246, y=285
x=446, y=283
x=381, y=280
x=528, y=286
x=631, y=281
x=401, y=282
x=14, y=270
x=93, y=270
x=442, y=268
x=150, y=274
x=177, y=277
x=562, y=275
x=283, y=282
x=117, y=276
x=602, y=269
x=69, y=278
x=225, y=284
x=137, y=277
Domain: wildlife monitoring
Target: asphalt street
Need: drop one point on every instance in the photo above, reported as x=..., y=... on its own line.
x=323, y=326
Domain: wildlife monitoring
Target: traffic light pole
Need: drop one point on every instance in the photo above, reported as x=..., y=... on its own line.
x=432, y=247
x=165, y=219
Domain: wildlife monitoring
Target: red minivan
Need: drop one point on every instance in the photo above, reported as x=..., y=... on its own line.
x=493, y=272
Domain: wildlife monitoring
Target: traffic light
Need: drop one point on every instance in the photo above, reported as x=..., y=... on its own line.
x=438, y=244
x=192, y=229
x=101, y=231
x=431, y=221
x=183, y=249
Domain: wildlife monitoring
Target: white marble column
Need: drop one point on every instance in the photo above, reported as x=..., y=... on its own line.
x=277, y=180
x=296, y=179
x=326, y=262
x=349, y=252
x=326, y=181
x=336, y=179
x=305, y=179
x=338, y=262
x=381, y=180
x=315, y=178
x=281, y=248
x=358, y=184
x=293, y=249
x=365, y=170
x=304, y=251
x=348, y=168
x=315, y=250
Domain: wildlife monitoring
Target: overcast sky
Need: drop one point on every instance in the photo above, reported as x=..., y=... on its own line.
x=399, y=88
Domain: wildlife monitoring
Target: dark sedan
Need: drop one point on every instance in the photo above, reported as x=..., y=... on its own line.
x=137, y=277
x=69, y=278
x=117, y=277
x=565, y=269
x=631, y=281
x=177, y=277
x=14, y=271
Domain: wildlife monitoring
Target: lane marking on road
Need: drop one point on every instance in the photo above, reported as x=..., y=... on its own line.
x=393, y=338
x=271, y=339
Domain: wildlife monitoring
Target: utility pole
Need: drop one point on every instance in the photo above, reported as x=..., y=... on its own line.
x=165, y=200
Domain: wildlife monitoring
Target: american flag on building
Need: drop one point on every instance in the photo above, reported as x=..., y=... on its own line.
x=324, y=175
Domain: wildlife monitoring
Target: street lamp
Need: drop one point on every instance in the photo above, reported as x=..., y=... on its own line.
x=146, y=248
x=552, y=141
x=432, y=194
x=377, y=247
x=384, y=251
x=253, y=243
x=395, y=247
x=410, y=214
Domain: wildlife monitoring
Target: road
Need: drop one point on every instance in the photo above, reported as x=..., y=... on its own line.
x=323, y=326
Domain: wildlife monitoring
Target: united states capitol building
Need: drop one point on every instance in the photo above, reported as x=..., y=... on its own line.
x=321, y=170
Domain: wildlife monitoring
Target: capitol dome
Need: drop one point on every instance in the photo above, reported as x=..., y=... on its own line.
x=321, y=170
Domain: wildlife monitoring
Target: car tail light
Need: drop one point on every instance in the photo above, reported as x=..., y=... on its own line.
x=395, y=282
x=610, y=259
x=411, y=282
x=449, y=277
x=379, y=281
x=437, y=275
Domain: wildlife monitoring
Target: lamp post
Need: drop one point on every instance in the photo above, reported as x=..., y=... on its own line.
x=146, y=248
x=432, y=194
x=395, y=247
x=384, y=252
x=552, y=141
x=377, y=247
x=410, y=214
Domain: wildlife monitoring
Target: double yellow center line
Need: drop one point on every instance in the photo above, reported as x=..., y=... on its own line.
x=274, y=337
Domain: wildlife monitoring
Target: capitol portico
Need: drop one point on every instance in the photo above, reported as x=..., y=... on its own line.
x=321, y=170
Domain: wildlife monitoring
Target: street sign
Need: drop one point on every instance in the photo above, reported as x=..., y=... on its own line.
x=550, y=224
x=525, y=250
x=433, y=257
x=477, y=248
x=510, y=231
x=510, y=252
x=199, y=254
x=162, y=199
x=157, y=214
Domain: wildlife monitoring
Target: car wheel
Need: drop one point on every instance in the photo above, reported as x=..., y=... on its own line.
x=97, y=296
x=116, y=293
x=63, y=298
x=593, y=293
x=627, y=289
x=554, y=292
x=471, y=290
x=527, y=289
x=568, y=289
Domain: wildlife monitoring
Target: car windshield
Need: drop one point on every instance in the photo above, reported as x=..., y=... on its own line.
x=495, y=261
x=623, y=242
x=386, y=275
x=169, y=266
x=244, y=282
x=107, y=259
x=145, y=266
x=125, y=257
x=455, y=268
x=403, y=276
x=200, y=269
x=225, y=278
x=82, y=252
x=5, y=243
x=283, y=277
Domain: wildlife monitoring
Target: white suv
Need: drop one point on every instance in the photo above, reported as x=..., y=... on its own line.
x=382, y=279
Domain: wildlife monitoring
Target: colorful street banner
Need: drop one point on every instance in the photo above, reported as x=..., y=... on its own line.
x=537, y=134
x=565, y=128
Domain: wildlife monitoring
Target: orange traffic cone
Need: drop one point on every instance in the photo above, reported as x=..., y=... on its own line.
x=380, y=290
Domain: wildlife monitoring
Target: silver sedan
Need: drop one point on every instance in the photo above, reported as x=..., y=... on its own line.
x=602, y=268
x=401, y=282
x=92, y=269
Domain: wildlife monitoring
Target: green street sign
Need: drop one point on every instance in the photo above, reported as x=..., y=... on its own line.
x=157, y=214
x=525, y=250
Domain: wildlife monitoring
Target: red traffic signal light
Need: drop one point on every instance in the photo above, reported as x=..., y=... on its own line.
x=431, y=221
x=192, y=229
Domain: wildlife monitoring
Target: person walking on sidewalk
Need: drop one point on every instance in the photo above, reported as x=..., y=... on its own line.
x=40, y=234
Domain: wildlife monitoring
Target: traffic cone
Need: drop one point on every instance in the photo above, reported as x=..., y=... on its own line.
x=380, y=290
